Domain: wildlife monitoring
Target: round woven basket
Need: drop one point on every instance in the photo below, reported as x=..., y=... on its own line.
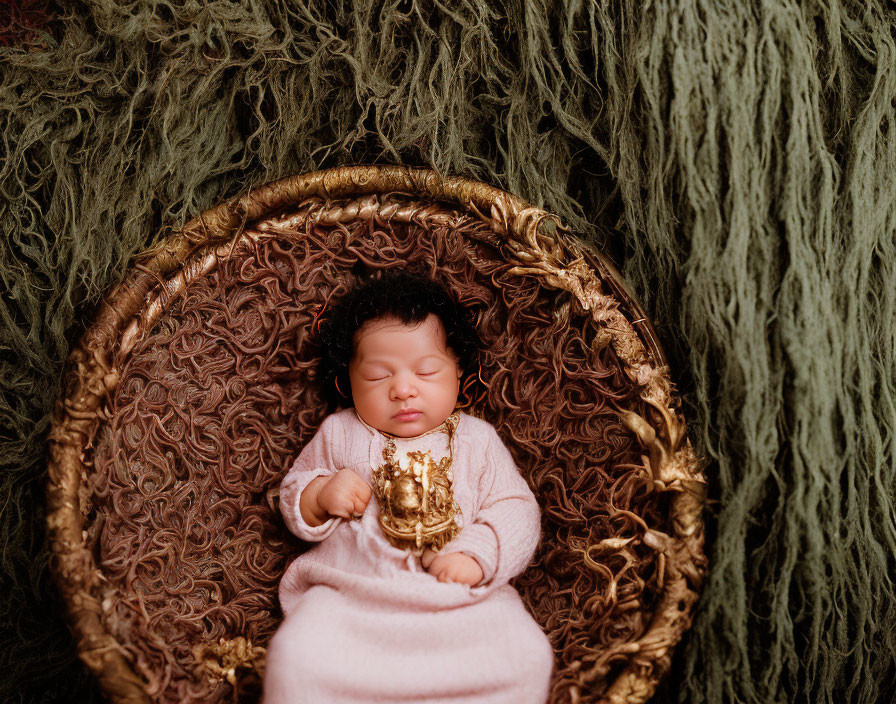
x=187, y=399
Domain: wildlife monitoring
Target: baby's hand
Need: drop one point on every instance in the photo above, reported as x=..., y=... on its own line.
x=344, y=495
x=453, y=567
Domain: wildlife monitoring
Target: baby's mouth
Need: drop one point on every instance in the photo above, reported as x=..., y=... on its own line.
x=406, y=414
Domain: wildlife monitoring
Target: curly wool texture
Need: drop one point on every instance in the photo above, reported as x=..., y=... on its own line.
x=218, y=400
x=744, y=156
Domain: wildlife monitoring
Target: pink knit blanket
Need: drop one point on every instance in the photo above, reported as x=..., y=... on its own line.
x=365, y=623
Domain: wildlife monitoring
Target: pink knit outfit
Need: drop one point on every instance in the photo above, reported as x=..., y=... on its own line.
x=364, y=622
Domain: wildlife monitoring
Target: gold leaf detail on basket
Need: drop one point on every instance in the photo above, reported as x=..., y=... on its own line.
x=222, y=660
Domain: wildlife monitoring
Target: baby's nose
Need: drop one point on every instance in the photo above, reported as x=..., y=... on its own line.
x=403, y=388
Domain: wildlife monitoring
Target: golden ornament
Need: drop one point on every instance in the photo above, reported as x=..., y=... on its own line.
x=416, y=496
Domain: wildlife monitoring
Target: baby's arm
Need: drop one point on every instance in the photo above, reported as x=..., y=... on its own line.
x=313, y=494
x=504, y=534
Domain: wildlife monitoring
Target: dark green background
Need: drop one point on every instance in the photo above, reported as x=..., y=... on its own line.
x=736, y=160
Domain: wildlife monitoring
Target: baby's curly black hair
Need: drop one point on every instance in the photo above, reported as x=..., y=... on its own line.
x=409, y=298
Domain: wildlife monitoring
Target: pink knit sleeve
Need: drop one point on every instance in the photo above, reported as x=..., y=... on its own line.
x=504, y=533
x=319, y=457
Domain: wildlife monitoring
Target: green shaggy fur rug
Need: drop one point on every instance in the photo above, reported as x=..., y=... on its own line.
x=737, y=160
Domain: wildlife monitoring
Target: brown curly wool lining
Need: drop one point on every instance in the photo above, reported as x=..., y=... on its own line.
x=194, y=391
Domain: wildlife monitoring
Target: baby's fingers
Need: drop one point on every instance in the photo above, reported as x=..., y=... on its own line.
x=359, y=504
x=362, y=490
x=344, y=508
x=446, y=574
x=426, y=559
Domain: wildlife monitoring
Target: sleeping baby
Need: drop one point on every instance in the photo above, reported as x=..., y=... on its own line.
x=419, y=515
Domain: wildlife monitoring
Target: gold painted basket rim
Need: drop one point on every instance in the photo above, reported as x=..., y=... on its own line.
x=542, y=245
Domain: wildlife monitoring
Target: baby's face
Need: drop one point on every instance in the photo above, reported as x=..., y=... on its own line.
x=405, y=380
